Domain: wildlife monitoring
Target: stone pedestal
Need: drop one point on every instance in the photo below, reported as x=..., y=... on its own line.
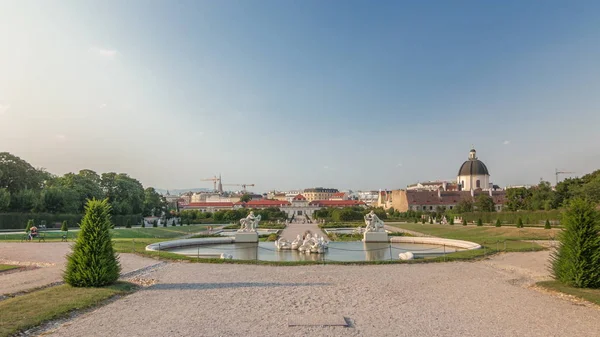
x=376, y=237
x=246, y=237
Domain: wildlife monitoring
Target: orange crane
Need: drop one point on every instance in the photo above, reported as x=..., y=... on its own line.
x=557, y=172
x=215, y=180
x=243, y=185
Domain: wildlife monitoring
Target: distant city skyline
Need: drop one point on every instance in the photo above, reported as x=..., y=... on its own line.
x=290, y=95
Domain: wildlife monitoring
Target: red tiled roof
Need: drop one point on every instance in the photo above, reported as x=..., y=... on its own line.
x=340, y=195
x=299, y=197
x=210, y=204
x=336, y=203
x=267, y=203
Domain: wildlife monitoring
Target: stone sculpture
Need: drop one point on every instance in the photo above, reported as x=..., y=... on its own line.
x=374, y=224
x=406, y=256
x=310, y=244
x=249, y=223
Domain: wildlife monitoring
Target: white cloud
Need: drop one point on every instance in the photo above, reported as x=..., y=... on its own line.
x=61, y=137
x=103, y=105
x=106, y=53
x=4, y=108
x=506, y=142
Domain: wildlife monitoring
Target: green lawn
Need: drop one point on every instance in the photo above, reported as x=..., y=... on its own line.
x=484, y=234
x=4, y=267
x=29, y=310
x=591, y=295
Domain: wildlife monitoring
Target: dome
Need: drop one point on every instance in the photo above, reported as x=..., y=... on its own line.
x=473, y=167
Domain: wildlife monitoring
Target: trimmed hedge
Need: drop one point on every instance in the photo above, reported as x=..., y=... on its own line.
x=536, y=218
x=19, y=220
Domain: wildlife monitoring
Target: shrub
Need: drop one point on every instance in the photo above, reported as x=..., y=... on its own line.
x=430, y=220
x=143, y=223
x=577, y=260
x=128, y=224
x=189, y=222
x=416, y=220
x=519, y=223
x=464, y=222
x=423, y=220
x=452, y=220
x=155, y=223
x=64, y=227
x=272, y=237
x=547, y=225
x=30, y=224
x=164, y=223
x=498, y=223
x=527, y=221
x=479, y=222
x=93, y=262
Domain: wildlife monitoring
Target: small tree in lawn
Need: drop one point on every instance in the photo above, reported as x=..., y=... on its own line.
x=498, y=223
x=154, y=223
x=93, y=262
x=464, y=222
x=577, y=260
x=430, y=220
x=479, y=222
x=64, y=227
x=30, y=224
x=416, y=220
x=164, y=223
x=189, y=222
x=143, y=223
x=452, y=221
x=422, y=220
x=519, y=223
x=547, y=225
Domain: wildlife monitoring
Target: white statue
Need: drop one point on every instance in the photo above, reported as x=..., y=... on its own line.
x=374, y=224
x=249, y=223
x=310, y=244
x=283, y=244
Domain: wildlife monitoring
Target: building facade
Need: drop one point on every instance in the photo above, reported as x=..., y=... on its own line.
x=319, y=193
x=473, y=174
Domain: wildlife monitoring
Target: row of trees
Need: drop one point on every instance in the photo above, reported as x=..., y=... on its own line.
x=26, y=189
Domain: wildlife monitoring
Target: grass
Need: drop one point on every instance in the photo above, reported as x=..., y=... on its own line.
x=590, y=295
x=5, y=267
x=481, y=234
x=32, y=309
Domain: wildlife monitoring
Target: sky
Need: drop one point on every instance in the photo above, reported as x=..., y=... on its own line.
x=294, y=94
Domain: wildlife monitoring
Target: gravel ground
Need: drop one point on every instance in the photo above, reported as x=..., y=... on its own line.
x=50, y=258
x=442, y=299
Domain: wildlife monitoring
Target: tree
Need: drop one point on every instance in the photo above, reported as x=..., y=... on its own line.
x=423, y=220
x=125, y=194
x=246, y=197
x=93, y=262
x=65, y=226
x=154, y=223
x=4, y=200
x=24, y=201
x=30, y=224
x=154, y=203
x=451, y=220
x=17, y=174
x=82, y=187
x=498, y=223
x=430, y=220
x=547, y=225
x=143, y=225
x=517, y=198
x=577, y=261
x=464, y=206
x=519, y=223
x=464, y=222
x=479, y=222
x=484, y=203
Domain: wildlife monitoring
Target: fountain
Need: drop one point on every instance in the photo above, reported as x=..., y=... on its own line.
x=374, y=231
x=310, y=244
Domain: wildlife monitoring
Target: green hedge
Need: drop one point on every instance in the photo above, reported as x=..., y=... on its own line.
x=536, y=218
x=19, y=220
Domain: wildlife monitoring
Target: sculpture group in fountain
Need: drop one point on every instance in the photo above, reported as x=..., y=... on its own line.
x=374, y=224
x=311, y=243
x=249, y=223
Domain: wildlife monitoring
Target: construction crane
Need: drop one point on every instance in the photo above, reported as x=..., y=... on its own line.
x=557, y=172
x=215, y=180
x=243, y=186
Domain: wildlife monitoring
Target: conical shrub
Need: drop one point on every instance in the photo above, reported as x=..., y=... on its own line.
x=464, y=222
x=519, y=223
x=64, y=227
x=30, y=224
x=498, y=223
x=547, y=225
x=479, y=222
x=452, y=221
x=577, y=260
x=93, y=262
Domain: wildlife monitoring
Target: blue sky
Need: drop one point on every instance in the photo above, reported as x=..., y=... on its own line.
x=293, y=94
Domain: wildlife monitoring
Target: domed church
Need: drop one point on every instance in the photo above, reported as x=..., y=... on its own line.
x=473, y=174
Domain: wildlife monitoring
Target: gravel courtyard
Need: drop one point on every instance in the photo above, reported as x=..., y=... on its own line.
x=486, y=298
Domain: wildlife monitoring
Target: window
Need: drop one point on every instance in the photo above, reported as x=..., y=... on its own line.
x=478, y=184
x=451, y=207
x=430, y=208
x=299, y=212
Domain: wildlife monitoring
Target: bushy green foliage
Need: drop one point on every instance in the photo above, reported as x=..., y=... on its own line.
x=272, y=237
x=451, y=221
x=164, y=223
x=498, y=223
x=93, y=262
x=65, y=226
x=547, y=225
x=143, y=224
x=128, y=224
x=155, y=223
x=423, y=220
x=519, y=223
x=416, y=220
x=430, y=220
x=464, y=222
x=577, y=260
x=479, y=222
x=30, y=224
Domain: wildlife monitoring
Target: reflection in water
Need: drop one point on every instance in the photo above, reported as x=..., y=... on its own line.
x=338, y=251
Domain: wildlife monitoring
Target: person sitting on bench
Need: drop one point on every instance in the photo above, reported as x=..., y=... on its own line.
x=32, y=232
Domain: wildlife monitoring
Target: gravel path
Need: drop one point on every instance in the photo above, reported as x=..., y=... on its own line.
x=442, y=299
x=292, y=230
x=50, y=258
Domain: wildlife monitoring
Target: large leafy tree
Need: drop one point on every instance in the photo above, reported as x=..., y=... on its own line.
x=17, y=174
x=484, y=203
x=93, y=262
x=4, y=199
x=517, y=198
x=125, y=194
x=464, y=206
x=577, y=260
x=80, y=187
x=154, y=203
x=24, y=201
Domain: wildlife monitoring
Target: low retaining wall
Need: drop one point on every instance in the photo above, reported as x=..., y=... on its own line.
x=187, y=242
x=436, y=241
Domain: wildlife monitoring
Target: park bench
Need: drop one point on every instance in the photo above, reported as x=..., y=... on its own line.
x=41, y=237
